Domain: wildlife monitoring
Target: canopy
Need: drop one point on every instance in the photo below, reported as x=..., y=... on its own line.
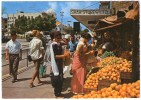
x=113, y=21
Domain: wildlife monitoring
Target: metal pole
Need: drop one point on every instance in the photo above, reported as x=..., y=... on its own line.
x=61, y=14
x=27, y=58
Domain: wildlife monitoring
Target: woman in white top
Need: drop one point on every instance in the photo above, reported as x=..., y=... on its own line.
x=36, y=53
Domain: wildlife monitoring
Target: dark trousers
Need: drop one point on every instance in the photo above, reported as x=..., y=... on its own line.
x=13, y=65
x=57, y=83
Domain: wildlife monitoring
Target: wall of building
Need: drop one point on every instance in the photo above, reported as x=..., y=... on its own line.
x=12, y=17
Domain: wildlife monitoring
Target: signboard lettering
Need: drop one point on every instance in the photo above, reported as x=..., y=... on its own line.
x=90, y=12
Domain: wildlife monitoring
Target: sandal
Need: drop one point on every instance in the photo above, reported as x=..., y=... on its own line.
x=31, y=85
x=40, y=82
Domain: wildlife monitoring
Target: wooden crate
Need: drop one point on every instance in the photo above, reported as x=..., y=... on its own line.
x=101, y=87
x=125, y=75
x=126, y=81
x=94, y=70
x=105, y=83
x=87, y=90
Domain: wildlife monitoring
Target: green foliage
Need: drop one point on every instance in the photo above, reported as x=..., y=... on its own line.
x=107, y=54
x=85, y=30
x=24, y=24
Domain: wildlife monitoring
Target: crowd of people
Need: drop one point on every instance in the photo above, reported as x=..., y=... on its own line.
x=59, y=55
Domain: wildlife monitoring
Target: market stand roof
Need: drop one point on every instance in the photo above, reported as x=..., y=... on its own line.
x=89, y=17
x=113, y=21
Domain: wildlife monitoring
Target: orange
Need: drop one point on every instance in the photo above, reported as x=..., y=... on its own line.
x=132, y=94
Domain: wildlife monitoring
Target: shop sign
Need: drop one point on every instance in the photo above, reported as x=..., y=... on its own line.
x=90, y=12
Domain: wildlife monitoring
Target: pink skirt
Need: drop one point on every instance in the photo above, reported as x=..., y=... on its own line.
x=79, y=74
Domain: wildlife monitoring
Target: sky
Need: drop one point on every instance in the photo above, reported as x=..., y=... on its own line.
x=10, y=7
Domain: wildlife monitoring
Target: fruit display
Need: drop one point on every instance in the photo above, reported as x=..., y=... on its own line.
x=112, y=66
x=131, y=90
x=124, y=64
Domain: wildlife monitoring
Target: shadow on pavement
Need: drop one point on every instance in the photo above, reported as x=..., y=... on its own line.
x=44, y=82
x=66, y=84
x=68, y=95
x=23, y=79
x=67, y=88
x=47, y=75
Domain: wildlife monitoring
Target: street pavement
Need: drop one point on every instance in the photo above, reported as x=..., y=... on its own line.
x=21, y=89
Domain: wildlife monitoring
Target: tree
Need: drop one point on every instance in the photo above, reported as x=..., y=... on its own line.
x=42, y=23
x=68, y=29
x=85, y=30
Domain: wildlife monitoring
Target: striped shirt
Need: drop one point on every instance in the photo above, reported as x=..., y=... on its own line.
x=13, y=47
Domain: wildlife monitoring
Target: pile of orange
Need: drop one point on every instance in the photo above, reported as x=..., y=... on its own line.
x=110, y=71
x=131, y=90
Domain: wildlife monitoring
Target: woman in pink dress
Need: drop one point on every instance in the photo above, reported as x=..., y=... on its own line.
x=79, y=65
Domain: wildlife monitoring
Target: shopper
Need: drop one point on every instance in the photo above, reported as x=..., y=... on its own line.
x=47, y=56
x=14, y=55
x=36, y=53
x=72, y=44
x=79, y=64
x=57, y=64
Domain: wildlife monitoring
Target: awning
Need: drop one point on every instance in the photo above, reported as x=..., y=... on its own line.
x=113, y=21
x=134, y=13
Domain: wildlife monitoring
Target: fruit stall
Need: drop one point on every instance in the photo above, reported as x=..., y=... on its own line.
x=112, y=80
x=117, y=76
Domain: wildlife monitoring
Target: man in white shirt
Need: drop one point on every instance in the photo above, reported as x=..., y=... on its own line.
x=14, y=55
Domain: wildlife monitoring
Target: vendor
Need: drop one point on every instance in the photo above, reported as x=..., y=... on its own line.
x=108, y=44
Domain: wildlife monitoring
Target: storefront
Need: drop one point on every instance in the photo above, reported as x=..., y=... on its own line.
x=89, y=17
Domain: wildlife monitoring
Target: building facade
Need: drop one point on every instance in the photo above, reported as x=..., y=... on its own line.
x=4, y=25
x=12, y=17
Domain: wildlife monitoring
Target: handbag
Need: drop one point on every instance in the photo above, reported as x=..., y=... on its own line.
x=29, y=58
x=42, y=70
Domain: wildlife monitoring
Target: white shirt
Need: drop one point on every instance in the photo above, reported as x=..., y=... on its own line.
x=13, y=47
x=35, y=46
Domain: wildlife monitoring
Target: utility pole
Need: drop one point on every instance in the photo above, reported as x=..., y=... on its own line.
x=69, y=26
x=61, y=14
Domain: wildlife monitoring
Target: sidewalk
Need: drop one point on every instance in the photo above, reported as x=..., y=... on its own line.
x=21, y=89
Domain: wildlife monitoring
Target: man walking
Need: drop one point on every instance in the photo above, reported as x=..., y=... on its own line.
x=14, y=55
